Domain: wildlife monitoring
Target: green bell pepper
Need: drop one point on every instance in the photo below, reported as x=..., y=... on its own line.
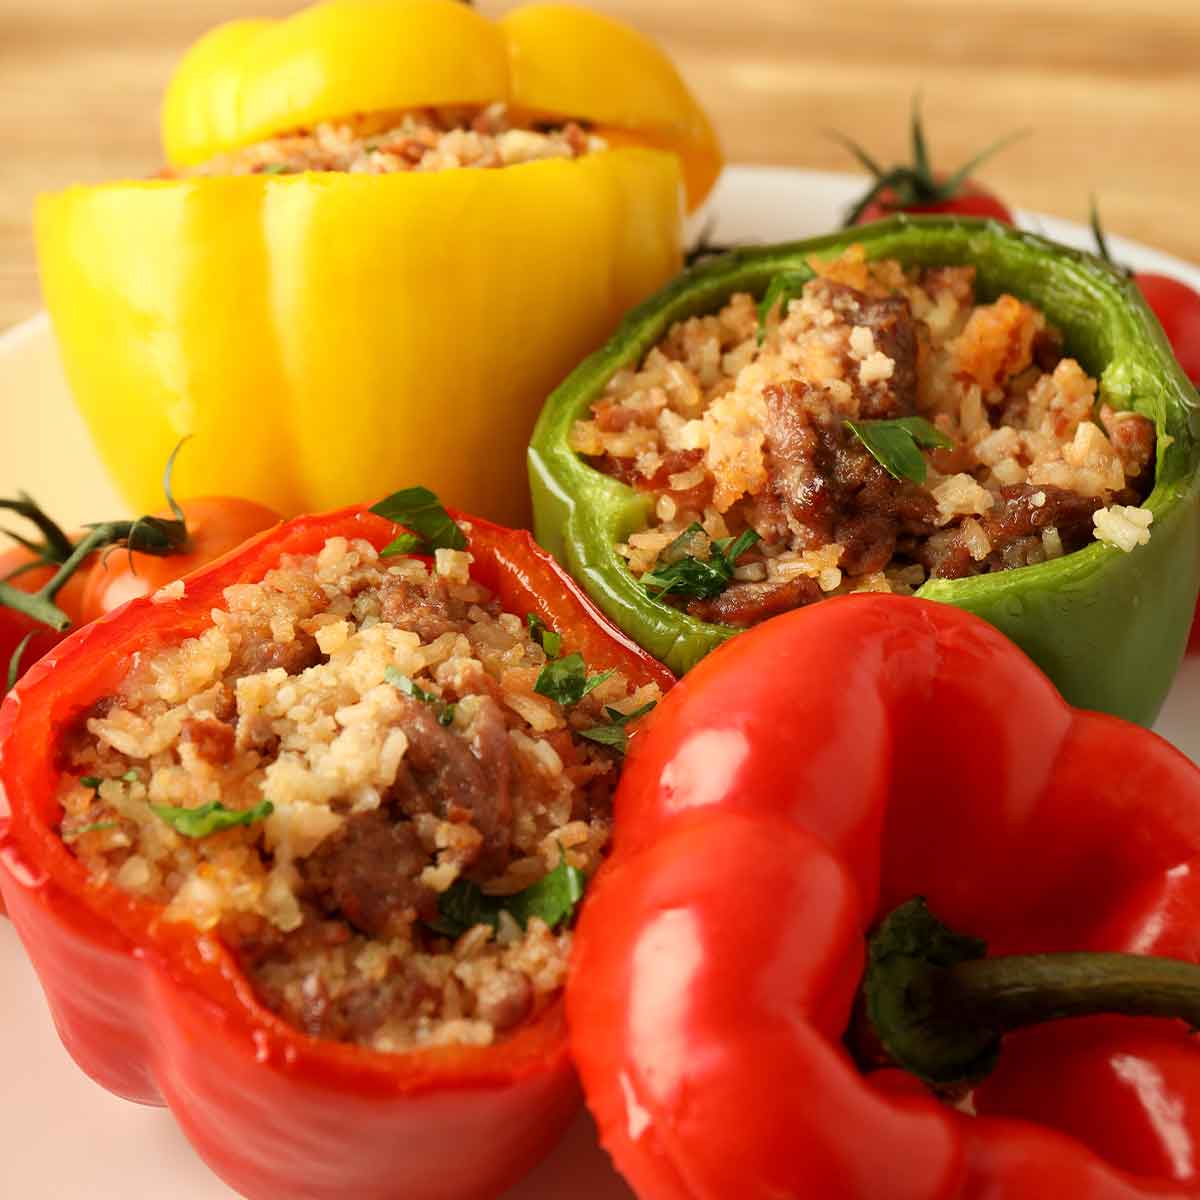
x=1108, y=627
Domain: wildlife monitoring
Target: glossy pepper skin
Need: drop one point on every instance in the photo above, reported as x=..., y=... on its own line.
x=722, y=945
x=1108, y=627
x=160, y=1013
x=312, y=331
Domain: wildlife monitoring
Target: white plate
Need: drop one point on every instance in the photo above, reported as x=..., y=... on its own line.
x=64, y=1137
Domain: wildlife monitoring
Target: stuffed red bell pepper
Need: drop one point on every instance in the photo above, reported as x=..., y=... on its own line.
x=295, y=846
x=816, y=776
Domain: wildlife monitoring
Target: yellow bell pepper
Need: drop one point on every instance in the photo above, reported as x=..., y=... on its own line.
x=324, y=335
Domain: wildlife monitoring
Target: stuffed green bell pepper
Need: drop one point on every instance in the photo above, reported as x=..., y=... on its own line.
x=935, y=406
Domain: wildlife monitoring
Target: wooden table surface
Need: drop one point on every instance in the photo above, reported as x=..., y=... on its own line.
x=1109, y=88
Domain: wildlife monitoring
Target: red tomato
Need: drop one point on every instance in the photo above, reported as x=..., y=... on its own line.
x=216, y=525
x=969, y=200
x=915, y=187
x=1177, y=308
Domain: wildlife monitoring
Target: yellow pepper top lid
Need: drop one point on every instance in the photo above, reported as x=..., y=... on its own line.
x=250, y=80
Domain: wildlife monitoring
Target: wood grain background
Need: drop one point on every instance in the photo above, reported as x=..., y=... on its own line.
x=1109, y=88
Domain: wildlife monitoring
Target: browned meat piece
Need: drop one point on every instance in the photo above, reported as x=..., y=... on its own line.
x=1014, y=529
x=746, y=604
x=944, y=555
x=357, y=1011
x=1133, y=437
x=412, y=608
x=828, y=482
x=213, y=739
x=255, y=656
x=868, y=543
x=1017, y=515
x=1047, y=349
x=444, y=773
x=505, y=999
x=797, y=460
x=891, y=322
x=367, y=872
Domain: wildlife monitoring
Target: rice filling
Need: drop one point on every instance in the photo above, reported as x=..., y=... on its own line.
x=756, y=440
x=353, y=778
x=427, y=139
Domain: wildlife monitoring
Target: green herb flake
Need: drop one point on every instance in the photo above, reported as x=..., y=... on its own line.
x=420, y=511
x=784, y=287
x=896, y=444
x=96, y=827
x=543, y=635
x=406, y=543
x=210, y=818
x=615, y=734
x=553, y=899
x=130, y=776
x=91, y=781
x=276, y=169
x=402, y=683
x=566, y=681
x=693, y=577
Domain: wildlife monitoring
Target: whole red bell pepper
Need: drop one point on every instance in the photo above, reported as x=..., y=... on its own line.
x=802, y=782
x=158, y=1012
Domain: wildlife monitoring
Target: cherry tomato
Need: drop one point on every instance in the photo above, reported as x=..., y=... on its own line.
x=969, y=200
x=915, y=187
x=1177, y=308
x=216, y=525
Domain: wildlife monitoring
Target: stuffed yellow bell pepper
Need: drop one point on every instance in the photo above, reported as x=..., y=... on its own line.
x=327, y=286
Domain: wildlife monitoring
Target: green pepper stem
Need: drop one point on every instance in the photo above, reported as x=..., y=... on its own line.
x=1019, y=990
x=938, y=1007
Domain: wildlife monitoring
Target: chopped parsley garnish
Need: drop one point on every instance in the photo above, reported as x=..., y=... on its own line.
x=402, y=683
x=94, y=781
x=614, y=734
x=566, y=680
x=545, y=637
x=93, y=828
x=463, y=905
x=896, y=444
x=420, y=511
x=785, y=286
x=210, y=818
x=680, y=573
x=276, y=169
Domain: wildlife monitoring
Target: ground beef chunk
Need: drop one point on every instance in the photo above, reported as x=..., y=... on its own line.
x=367, y=872
x=1047, y=348
x=408, y=607
x=745, y=604
x=829, y=483
x=213, y=740
x=1133, y=437
x=894, y=329
x=460, y=778
x=354, y=1014
x=1014, y=527
x=357, y=1012
x=255, y=655
x=797, y=462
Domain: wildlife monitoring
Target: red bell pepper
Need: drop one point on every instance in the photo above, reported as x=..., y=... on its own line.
x=158, y=1012
x=800, y=783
